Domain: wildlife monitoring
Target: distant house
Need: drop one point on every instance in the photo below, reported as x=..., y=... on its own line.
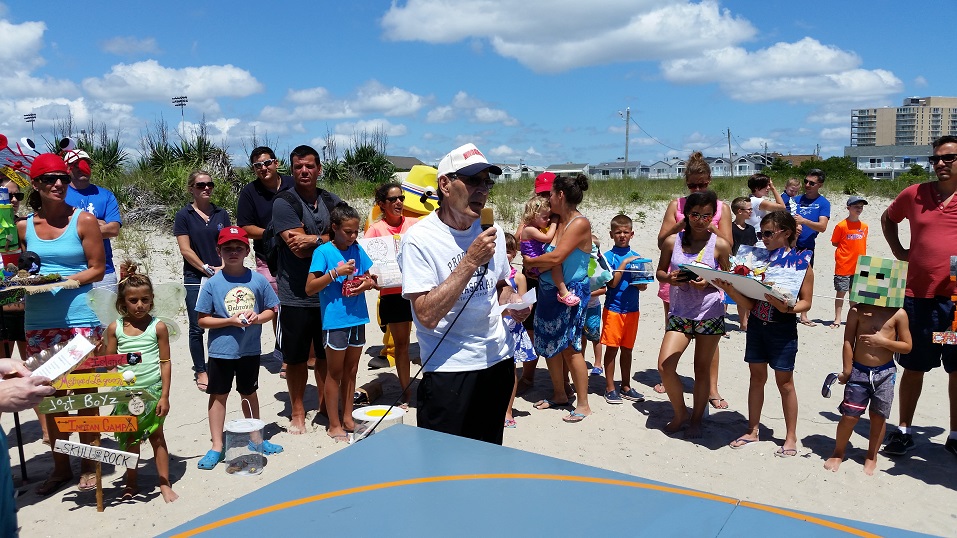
x=617, y=169
x=794, y=160
x=403, y=164
x=568, y=168
x=888, y=162
x=663, y=169
x=512, y=171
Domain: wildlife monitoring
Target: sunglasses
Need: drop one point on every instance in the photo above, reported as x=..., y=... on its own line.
x=698, y=185
x=947, y=159
x=17, y=196
x=769, y=233
x=262, y=164
x=700, y=216
x=394, y=199
x=474, y=181
x=203, y=185
x=812, y=183
x=47, y=179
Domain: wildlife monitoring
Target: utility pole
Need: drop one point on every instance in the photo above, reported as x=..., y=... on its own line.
x=30, y=118
x=730, y=157
x=765, y=154
x=181, y=103
x=624, y=172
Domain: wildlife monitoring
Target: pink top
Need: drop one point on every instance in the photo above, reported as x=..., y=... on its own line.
x=381, y=228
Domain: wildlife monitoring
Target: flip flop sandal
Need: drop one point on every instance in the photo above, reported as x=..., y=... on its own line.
x=744, y=442
x=52, y=485
x=542, y=405
x=828, y=382
x=719, y=404
x=786, y=452
x=574, y=417
x=87, y=481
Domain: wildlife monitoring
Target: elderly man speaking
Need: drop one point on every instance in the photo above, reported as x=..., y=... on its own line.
x=454, y=273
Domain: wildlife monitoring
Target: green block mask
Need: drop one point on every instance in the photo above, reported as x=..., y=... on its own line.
x=879, y=282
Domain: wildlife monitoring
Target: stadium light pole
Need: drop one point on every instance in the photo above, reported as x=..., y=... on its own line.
x=181, y=103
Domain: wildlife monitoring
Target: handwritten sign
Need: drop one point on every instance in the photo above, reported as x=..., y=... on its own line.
x=97, y=424
x=382, y=251
x=110, y=361
x=89, y=380
x=66, y=359
x=62, y=404
x=95, y=453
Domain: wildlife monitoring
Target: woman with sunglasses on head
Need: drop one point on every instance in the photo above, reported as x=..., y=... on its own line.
x=697, y=311
x=394, y=310
x=697, y=178
x=772, y=338
x=69, y=243
x=196, y=228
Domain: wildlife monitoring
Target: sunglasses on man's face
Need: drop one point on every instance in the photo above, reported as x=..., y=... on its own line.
x=474, y=181
x=811, y=183
x=262, y=164
x=947, y=159
x=52, y=179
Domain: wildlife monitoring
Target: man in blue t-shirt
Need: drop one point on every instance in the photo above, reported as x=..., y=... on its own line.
x=813, y=212
x=100, y=202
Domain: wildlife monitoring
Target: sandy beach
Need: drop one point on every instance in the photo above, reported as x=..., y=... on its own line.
x=916, y=492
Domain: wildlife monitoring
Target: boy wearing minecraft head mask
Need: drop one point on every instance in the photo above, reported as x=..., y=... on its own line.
x=876, y=328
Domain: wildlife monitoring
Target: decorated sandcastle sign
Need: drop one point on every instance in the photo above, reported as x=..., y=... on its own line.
x=756, y=272
x=949, y=337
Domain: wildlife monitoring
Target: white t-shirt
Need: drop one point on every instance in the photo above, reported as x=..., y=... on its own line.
x=430, y=251
x=756, y=213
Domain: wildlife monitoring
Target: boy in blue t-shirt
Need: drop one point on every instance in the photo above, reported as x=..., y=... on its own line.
x=619, y=319
x=233, y=305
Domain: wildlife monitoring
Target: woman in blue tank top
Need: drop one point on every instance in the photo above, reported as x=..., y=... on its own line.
x=69, y=243
x=558, y=327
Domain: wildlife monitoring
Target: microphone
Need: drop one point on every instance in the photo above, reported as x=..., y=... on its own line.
x=487, y=218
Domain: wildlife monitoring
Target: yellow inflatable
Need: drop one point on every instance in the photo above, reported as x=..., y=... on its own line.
x=419, y=186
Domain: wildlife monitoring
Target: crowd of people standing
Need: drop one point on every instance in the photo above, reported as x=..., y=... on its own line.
x=311, y=272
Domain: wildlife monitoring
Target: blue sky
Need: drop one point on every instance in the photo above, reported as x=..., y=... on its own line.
x=537, y=80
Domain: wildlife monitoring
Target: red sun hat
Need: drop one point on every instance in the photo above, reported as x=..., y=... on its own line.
x=543, y=183
x=48, y=163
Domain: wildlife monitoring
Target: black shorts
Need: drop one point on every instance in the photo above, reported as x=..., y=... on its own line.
x=222, y=371
x=927, y=316
x=340, y=339
x=298, y=328
x=11, y=327
x=529, y=322
x=394, y=309
x=468, y=404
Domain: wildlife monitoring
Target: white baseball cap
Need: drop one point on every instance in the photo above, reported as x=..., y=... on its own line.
x=466, y=160
x=75, y=155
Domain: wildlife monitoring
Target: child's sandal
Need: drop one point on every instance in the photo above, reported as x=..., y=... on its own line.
x=569, y=299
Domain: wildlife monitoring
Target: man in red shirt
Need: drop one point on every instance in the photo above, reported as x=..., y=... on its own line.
x=931, y=210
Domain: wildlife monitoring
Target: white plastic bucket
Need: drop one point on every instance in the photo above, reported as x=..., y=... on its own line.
x=367, y=417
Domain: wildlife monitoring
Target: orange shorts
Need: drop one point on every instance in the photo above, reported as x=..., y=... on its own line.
x=619, y=330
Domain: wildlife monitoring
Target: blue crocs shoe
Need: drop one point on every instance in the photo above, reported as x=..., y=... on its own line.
x=210, y=460
x=266, y=448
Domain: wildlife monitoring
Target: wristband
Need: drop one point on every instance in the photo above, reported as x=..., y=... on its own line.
x=333, y=274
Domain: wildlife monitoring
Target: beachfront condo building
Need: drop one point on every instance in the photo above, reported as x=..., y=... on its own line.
x=918, y=121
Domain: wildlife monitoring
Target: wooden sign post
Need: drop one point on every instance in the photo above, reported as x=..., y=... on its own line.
x=135, y=400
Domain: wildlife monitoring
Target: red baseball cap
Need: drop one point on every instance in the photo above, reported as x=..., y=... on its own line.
x=232, y=233
x=543, y=182
x=48, y=163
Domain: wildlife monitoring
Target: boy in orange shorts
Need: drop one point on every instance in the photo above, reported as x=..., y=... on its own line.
x=619, y=318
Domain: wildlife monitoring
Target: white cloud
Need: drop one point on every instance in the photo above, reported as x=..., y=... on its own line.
x=370, y=126
x=19, y=84
x=804, y=58
x=493, y=115
x=806, y=71
x=836, y=133
x=504, y=152
x=20, y=45
x=441, y=114
x=312, y=104
x=130, y=46
x=578, y=33
x=150, y=81
x=920, y=82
